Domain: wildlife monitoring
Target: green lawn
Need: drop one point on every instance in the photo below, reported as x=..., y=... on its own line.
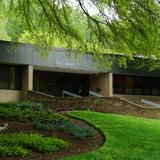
x=127, y=138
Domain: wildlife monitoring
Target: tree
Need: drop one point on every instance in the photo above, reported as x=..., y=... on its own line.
x=133, y=29
x=3, y=21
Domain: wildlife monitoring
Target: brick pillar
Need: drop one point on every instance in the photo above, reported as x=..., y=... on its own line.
x=102, y=81
x=30, y=77
x=27, y=79
x=12, y=78
x=110, y=84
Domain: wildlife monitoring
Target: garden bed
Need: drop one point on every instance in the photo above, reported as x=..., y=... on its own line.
x=76, y=145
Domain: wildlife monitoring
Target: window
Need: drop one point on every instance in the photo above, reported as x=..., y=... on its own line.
x=10, y=77
x=61, y=83
x=43, y=82
x=138, y=85
x=147, y=86
x=155, y=86
x=129, y=85
x=54, y=83
x=119, y=84
x=4, y=77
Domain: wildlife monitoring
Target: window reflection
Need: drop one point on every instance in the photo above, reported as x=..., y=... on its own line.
x=125, y=84
x=128, y=85
x=54, y=83
x=10, y=77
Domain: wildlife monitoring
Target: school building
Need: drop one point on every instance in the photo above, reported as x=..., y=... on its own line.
x=22, y=69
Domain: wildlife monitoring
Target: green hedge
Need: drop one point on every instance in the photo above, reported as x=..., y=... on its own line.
x=13, y=151
x=23, y=105
x=11, y=113
x=18, y=143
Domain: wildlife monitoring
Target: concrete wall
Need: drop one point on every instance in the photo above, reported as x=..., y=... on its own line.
x=104, y=104
x=58, y=58
x=137, y=98
x=27, y=84
x=102, y=81
x=10, y=95
x=27, y=80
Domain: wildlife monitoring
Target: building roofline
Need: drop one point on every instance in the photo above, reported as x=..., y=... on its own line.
x=26, y=44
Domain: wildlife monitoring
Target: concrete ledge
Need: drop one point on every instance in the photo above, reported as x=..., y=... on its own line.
x=10, y=95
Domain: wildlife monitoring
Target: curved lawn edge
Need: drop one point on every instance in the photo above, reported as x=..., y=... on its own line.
x=69, y=114
x=72, y=115
x=128, y=137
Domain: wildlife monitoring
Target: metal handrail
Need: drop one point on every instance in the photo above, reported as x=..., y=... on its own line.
x=155, y=105
x=70, y=94
x=94, y=94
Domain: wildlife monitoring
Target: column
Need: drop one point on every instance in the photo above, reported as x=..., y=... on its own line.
x=27, y=79
x=102, y=83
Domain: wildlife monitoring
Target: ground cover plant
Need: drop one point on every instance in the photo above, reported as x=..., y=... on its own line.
x=20, y=144
x=75, y=130
x=42, y=118
x=27, y=111
x=67, y=126
x=31, y=130
x=23, y=105
x=17, y=144
x=127, y=138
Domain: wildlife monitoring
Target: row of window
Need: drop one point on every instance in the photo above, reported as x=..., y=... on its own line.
x=54, y=83
x=124, y=84
x=10, y=77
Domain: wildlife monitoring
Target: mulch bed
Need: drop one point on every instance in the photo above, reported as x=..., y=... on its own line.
x=77, y=146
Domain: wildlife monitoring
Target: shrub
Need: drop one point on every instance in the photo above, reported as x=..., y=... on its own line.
x=13, y=151
x=75, y=130
x=23, y=105
x=33, y=141
x=67, y=126
x=44, y=126
x=46, y=116
x=28, y=114
x=15, y=114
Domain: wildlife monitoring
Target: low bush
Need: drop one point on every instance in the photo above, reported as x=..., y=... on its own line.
x=14, y=114
x=29, y=115
x=17, y=143
x=46, y=116
x=23, y=105
x=13, y=151
x=75, y=130
x=43, y=126
x=67, y=126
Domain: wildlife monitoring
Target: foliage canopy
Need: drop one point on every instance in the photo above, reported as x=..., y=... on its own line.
x=125, y=27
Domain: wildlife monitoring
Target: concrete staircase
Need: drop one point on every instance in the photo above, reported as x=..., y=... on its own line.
x=137, y=99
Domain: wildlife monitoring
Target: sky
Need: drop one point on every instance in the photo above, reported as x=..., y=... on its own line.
x=91, y=8
x=109, y=12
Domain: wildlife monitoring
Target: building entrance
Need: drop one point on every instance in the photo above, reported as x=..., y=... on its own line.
x=54, y=83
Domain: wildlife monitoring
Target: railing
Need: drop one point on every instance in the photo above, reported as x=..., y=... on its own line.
x=64, y=92
x=41, y=93
x=91, y=93
x=152, y=104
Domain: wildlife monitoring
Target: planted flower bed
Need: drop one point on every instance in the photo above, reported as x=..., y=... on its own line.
x=33, y=131
x=67, y=126
x=23, y=112
x=19, y=144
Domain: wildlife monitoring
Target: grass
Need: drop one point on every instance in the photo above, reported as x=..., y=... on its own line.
x=127, y=138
